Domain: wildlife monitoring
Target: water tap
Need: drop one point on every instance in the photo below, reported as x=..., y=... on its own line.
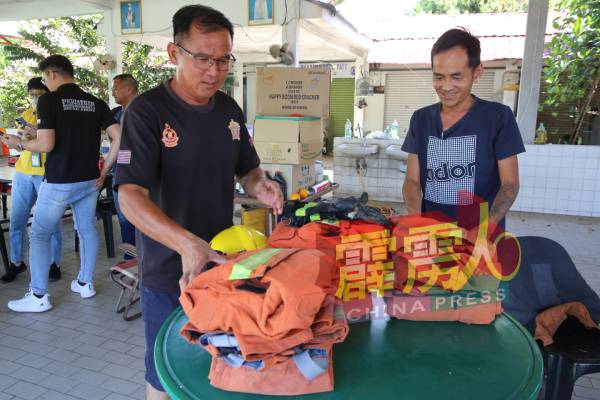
x=360, y=134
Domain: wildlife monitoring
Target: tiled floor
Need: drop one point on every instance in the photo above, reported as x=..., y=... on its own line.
x=83, y=350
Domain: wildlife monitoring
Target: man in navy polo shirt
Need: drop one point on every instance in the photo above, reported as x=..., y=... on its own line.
x=463, y=147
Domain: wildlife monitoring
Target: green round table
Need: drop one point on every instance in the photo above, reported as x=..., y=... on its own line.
x=387, y=359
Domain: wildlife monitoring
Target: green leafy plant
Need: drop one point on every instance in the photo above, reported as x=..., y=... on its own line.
x=77, y=39
x=572, y=62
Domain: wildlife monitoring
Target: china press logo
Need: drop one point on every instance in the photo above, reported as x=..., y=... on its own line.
x=428, y=265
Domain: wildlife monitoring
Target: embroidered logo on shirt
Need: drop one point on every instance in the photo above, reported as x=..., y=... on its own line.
x=234, y=127
x=169, y=136
x=124, y=157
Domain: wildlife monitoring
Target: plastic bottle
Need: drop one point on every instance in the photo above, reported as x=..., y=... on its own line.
x=395, y=130
x=541, y=136
x=348, y=129
x=104, y=147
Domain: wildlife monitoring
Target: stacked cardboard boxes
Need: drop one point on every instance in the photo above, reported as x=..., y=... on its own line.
x=288, y=130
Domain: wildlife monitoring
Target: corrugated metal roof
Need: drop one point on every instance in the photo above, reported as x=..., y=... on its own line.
x=408, y=40
x=410, y=51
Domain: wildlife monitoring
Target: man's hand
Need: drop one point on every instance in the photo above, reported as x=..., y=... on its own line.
x=269, y=192
x=194, y=259
x=29, y=132
x=11, y=141
x=101, y=179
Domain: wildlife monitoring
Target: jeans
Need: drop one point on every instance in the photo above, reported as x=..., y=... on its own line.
x=24, y=193
x=156, y=308
x=53, y=200
x=127, y=229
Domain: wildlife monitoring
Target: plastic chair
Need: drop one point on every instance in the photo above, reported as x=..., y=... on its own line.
x=105, y=209
x=574, y=353
x=548, y=277
x=125, y=275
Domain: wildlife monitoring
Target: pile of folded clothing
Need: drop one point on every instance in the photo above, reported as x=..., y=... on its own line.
x=270, y=319
x=423, y=268
x=440, y=276
x=362, y=252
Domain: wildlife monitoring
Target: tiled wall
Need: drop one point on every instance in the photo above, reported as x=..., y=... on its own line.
x=560, y=179
x=383, y=180
x=555, y=179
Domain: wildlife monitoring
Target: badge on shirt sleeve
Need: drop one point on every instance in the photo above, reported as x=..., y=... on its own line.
x=234, y=127
x=124, y=157
x=169, y=136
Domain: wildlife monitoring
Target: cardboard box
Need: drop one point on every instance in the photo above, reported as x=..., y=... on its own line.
x=288, y=153
x=285, y=91
x=296, y=176
x=287, y=129
x=256, y=218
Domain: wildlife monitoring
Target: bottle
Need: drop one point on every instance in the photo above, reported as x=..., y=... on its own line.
x=541, y=136
x=395, y=130
x=348, y=129
x=105, y=147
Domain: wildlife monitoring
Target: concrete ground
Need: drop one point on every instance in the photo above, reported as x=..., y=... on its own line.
x=82, y=349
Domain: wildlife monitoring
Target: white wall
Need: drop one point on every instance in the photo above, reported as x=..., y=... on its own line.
x=560, y=179
x=374, y=112
x=157, y=14
x=250, y=95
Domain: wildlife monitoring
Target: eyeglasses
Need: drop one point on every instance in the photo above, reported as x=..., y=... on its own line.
x=203, y=61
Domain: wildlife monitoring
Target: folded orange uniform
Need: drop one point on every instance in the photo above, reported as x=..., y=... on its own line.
x=268, y=298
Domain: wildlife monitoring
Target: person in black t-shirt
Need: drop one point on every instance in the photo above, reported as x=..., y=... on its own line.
x=69, y=125
x=183, y=143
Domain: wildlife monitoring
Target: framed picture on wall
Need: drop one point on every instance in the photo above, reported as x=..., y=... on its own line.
x=131, y=16
x=260, y=12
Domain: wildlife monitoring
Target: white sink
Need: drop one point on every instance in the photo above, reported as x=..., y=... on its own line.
x=356, y=150
x=395, y=151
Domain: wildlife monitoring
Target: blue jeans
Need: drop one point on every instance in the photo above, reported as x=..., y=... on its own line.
x=53, y=200
x=24, y=192
x=156, y=307
x=127, y=229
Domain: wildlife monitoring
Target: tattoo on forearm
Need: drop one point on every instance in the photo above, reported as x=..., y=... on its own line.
x=505, y=198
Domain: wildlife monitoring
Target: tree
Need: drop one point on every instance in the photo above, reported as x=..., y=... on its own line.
x=469, y=6
x=13, y=91
x=572, y=64
x=76, y=38
x=73, y=37
x=147, y=64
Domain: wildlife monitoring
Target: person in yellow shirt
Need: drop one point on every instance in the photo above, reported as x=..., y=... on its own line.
x=25, y=185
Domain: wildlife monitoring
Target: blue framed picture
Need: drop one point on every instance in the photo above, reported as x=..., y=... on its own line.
x=260, y=12
x=131, y=16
